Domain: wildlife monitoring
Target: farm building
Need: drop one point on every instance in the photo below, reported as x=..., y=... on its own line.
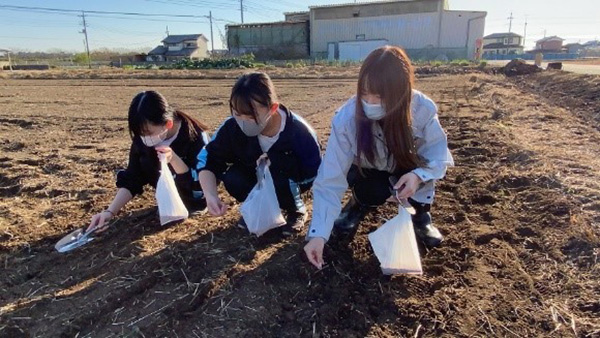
x=177, y=47
x=426, y=29
x=275, y=40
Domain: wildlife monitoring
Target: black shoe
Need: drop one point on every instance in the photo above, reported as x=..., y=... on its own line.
x=352, y=214
x=425, y=230
x=294, y=223
x=197, y=207
x=241, y=223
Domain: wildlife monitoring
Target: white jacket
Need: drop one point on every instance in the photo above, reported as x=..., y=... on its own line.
x=331, y=184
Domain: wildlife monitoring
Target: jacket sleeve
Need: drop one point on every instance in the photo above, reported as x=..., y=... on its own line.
x=331, y=183
x=434, y=147
x=187, y=180
x=308, y=151
x=217, y=153
x=132, y=178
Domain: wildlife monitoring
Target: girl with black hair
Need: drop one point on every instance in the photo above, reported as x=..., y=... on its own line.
x=260, y=126
x=155, y=127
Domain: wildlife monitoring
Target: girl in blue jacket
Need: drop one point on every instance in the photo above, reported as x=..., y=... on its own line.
x=260, y=125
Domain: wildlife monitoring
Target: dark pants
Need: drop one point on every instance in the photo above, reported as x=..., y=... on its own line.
x=373, y=189
x=240, y=180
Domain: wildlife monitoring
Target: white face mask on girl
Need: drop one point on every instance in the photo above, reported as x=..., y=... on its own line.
x=373, y=111
x=252, y=128
x=153, y=140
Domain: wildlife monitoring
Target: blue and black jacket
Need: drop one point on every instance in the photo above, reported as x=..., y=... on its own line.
x=296, y=155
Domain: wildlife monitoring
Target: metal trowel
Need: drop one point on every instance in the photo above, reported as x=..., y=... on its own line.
x=74, y=240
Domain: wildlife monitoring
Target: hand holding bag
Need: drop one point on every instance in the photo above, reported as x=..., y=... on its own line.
x=261, y=210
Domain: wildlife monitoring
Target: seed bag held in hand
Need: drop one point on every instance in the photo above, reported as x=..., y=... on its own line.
x=170, y=205
x=395, y=245
x=261, y=210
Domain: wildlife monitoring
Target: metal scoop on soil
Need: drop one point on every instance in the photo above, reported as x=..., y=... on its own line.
x=74, y=240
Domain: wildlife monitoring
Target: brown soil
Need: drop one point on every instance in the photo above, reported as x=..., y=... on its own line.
x=520, y=211
x=594, y=62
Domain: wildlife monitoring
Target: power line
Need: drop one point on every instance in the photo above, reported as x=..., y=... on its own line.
x=136, y=14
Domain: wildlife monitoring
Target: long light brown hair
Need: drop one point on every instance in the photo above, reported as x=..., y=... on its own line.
x=387, y=72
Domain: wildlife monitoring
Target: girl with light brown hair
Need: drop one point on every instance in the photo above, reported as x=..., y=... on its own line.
x=387, y=140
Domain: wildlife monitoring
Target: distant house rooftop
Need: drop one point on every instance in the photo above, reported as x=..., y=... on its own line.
x=502, y=35
x=181, y=38
x=159, y=50
x=551, y=38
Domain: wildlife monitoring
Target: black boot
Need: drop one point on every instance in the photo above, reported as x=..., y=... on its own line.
x=425, y=230
x=352, y=214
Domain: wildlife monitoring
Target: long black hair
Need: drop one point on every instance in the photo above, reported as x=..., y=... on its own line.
x=151, y=107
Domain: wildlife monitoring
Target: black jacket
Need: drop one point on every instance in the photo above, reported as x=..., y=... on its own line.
x=296, y=154
x=144, y=166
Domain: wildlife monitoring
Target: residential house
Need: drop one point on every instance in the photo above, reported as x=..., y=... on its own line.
x=573, y=48
x=502, y=43
x=551, y=44
x=177, y=47
x=592, y=44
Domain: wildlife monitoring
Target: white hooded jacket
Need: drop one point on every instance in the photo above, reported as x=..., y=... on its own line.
x=341, y=152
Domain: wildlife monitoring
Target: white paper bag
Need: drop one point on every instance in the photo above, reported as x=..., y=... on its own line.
x=261, y=210
x=395, y=245
x=170, y=205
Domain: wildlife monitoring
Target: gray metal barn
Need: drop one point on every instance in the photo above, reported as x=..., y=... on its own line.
x=426, y=29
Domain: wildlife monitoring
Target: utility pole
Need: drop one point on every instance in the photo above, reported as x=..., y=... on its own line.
x=167, y=31
x=242, y=9
x=87, y=45
x=525, y=33
x=212, y=41
x=9, y=62
x=510, y=20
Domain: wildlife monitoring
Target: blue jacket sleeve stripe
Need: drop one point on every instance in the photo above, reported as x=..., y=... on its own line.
x=203, y=155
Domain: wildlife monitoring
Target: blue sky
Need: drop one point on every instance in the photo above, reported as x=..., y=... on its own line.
x=575, y=20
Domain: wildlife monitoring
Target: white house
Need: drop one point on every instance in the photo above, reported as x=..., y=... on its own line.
x=177, y=47
x=502, y=43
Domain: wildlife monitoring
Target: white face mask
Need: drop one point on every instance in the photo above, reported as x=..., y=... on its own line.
x=373, y=111
x=252, y=128
x=153, y=140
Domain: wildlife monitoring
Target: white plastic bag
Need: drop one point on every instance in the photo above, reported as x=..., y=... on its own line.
x=395, y=245
x=170, y=205
x=261, y=209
